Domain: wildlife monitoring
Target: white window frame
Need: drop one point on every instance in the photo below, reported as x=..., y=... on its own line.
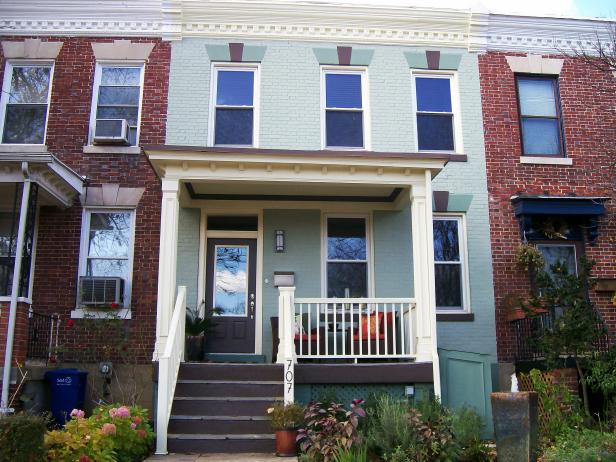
x=369, y=251
x=98, y=73
x=6, y=87
x=452, y=76
x=83, y=259
x=256, y=101
x=365, y=102
x=463, y=248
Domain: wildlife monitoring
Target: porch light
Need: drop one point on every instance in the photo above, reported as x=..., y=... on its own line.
x=279, y=241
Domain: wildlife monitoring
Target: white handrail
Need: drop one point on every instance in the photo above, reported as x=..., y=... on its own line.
x=168, y=367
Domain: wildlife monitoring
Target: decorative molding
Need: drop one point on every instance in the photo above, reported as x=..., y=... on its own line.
x=235, y=52
x=111, y=195
x=344, y=56
x=534, y=64
x=433, y=60
x=31, y=49
x=122, y=50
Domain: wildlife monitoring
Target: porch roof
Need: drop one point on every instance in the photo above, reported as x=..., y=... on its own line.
x=59, y=184
x=388, y=171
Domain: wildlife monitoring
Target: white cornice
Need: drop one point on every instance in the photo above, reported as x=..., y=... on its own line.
x=314, y=21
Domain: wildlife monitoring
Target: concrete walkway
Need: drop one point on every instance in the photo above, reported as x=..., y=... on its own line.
x=221, y=458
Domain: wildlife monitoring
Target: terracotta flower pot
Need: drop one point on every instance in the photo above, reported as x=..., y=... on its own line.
x=285, y=443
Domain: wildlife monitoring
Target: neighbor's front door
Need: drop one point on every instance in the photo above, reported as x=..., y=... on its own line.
x=230, y=287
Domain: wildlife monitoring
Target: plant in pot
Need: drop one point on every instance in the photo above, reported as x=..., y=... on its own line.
x=286, y=419
x=198, y=324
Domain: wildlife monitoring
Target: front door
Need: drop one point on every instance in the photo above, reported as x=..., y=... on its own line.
x=230, y=286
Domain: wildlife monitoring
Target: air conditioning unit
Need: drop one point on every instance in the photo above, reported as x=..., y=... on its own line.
x=100, y=291
x=111, y=131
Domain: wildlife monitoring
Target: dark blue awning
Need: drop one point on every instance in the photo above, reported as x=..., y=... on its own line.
x=552, y=205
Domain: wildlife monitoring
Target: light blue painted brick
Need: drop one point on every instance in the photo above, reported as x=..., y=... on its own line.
x=188, y=253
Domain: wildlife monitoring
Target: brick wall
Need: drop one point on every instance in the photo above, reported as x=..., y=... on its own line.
x=588, y=100
x=20, y=340
x=57, y=254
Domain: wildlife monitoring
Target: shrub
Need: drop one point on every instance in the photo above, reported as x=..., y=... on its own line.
x=21, y=438
x=111, y=434
x=286, y=416
x=582, y=446
x=328, y=429
x=351, y=455
x=466, y=427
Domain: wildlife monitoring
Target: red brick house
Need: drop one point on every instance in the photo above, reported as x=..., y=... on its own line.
x=549, y=126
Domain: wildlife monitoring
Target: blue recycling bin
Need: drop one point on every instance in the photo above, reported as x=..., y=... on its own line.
x=68, y=392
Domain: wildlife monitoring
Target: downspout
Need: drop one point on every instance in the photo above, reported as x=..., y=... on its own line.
x=10, y=335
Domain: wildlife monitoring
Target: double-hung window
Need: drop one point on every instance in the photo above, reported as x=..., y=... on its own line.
x=450, y=272
x=234, y=121
x=344, y=109
x=117, y=96
x=25, y=103
x=107, y=245
x=434, y=107
x=347, y=257
x=540, y=119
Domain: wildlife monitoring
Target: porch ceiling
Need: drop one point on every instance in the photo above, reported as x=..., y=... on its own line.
x=323, y=173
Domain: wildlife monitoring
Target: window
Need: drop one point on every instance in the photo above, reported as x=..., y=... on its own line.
x=117, y=95
x=434, y=112
x=234, y=115
x=107, y=246
x=540, y=120
x=25, y=103
x=344, y=107
x=554, y=253
x=8, y=241
x=450, y=272
x=347, y=258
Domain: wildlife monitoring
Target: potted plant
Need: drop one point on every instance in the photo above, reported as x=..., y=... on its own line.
x=286, y=419
x=197, y=326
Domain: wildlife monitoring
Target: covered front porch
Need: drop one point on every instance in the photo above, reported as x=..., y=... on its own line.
x=321, y=261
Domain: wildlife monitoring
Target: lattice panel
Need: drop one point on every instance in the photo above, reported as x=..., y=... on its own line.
x=347, y=393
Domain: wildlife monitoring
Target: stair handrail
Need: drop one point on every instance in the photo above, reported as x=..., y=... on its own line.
x=168, y=368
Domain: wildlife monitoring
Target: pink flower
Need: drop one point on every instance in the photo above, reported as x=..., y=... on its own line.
x=141, y=433
x=108, y=429
x=123, y=412
x=77, y=414
x=113, y=412
x=84, y=458
x=137, y=420
x=133, y=425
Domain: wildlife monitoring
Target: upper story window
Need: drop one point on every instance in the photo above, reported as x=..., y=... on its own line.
x=234, y=121
x=450, y=267
x=344, y=109
x=436, y=119
x=107, y=246
x=25, y=103
x=540, y=118
x=117, y=96
x=347, y=257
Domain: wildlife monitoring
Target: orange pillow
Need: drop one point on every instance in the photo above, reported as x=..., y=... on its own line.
x=368, y=325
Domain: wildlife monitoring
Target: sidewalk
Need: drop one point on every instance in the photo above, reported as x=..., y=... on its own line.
x=221, y=458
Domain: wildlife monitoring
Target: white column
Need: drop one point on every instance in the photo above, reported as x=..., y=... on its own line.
x=423, y=275
x=286, y=335
x=10, y=335
x=167, y=263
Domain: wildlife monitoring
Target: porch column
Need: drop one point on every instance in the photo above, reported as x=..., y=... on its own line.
x=167, y=262
x=286, y=342
x=423, y=275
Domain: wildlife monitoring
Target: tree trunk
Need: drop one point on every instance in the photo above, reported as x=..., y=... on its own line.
x=584, y=388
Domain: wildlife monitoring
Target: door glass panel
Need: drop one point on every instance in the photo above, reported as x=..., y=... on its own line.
x=553, y=254
x=231, y=280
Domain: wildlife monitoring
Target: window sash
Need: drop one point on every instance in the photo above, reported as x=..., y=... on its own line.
x=462, y=263
x=331, y=109
x=451, y=114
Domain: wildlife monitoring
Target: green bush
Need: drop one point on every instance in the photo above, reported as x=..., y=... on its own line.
x=466, y=427
x=351, y=455
x=111, y=434
x=582, y=446
x=21, y=438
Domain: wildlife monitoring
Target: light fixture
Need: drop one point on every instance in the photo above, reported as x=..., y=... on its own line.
x=279, y=241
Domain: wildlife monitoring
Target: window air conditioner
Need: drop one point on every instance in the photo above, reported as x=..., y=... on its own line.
x=100, y=291
x=111, y=131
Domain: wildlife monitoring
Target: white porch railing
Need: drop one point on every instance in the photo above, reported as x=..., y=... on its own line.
x=168, y=367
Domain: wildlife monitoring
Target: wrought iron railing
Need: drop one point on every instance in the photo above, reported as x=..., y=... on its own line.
x=530, y=328
x=42, y=335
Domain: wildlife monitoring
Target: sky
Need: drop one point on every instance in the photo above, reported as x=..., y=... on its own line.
x=576, y=8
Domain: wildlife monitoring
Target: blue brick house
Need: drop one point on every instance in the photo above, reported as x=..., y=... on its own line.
x=324, y=186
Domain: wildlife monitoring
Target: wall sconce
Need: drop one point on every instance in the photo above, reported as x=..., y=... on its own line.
x=279, y=241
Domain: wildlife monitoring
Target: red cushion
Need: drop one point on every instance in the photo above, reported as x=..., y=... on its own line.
x=306, y=337
x=365, y=339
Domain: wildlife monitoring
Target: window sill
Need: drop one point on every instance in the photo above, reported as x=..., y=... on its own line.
x=92, y=149
x=546, y=160
x=23, y=148
x=7, y=299
x=455, y=317
x=80, y=313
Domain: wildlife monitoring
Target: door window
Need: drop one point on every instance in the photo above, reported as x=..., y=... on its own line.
x=231, y=280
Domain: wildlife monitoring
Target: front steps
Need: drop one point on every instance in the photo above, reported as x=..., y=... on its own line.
x=222, y=408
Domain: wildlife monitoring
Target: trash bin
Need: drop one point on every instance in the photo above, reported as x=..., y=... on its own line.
x=68, y=392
